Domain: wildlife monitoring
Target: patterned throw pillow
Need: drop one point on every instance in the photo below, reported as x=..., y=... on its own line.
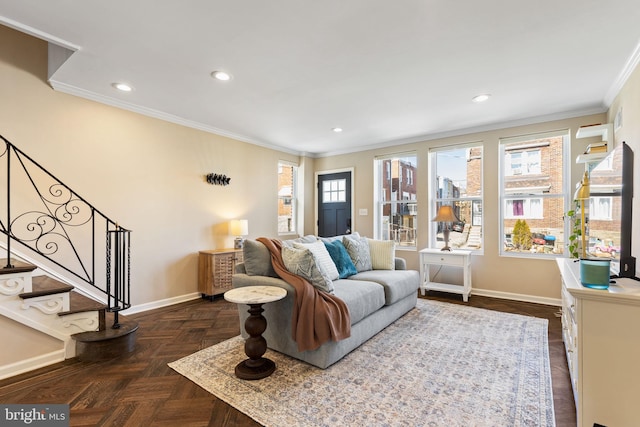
x=323, y=259
x=341, y=258
x=303, y=263
x=358, y=249
x=383, y=254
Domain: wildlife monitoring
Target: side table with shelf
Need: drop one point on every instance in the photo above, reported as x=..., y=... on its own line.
x=456, y=258
x=215, y=268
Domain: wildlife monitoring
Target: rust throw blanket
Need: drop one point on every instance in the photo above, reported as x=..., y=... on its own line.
x=317, y=316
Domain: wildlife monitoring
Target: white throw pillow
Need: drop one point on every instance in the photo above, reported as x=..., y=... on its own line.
x=302, y=263
x=323, y=258
x=383, y=254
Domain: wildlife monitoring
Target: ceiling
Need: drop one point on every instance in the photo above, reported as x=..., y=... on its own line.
x=385, y=72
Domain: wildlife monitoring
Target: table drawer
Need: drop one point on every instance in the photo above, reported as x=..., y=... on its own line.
x=444, y=259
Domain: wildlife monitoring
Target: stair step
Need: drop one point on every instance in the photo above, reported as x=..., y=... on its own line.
x=80, y=303
x=107, y=344
x=45, y=285
x=16, y=266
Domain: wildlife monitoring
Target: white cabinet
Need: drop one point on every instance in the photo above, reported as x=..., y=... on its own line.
x=601, y=333
x=430, y=259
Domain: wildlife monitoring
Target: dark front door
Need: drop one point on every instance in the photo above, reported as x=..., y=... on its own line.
x=334, y=204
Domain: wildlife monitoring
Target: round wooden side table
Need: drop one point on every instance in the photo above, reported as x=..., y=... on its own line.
x=255, y=367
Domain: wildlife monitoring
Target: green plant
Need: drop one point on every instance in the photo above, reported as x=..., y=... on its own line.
x=521, y=237
x=574, y=239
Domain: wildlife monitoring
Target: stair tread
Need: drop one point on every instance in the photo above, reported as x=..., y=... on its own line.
x=79, y=303
x=45, y=285
x=126, y=327
x=17, y=266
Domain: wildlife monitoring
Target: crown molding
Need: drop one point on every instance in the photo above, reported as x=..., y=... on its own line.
x=470, y=130
x=150, y=112
x=624, y=75
x=37, y=33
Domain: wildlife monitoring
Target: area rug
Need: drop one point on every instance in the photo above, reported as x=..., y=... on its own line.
x=439, y=365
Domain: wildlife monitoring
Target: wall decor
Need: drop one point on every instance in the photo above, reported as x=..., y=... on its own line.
x=217, y=179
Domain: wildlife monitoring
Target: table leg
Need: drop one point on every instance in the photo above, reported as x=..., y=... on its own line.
x=255, y=367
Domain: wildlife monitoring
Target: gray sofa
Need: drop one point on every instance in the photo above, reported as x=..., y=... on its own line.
x=375, y=298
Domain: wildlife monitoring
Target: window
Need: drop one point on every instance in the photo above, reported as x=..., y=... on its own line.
x=456, y=180
x=287, y=198
x=600, y=208
x=523, y=208
x=523, y=162
x=396, y=201
x=334, y=191
x=533, y=177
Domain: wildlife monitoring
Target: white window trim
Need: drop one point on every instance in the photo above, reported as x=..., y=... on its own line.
x=433, y=200
x=379, y=198
x=566, y=186
x=295, y=194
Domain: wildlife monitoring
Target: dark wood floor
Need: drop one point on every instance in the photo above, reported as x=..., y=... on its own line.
x=140, y=389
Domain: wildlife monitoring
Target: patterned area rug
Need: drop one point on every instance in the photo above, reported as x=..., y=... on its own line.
x=439, y=365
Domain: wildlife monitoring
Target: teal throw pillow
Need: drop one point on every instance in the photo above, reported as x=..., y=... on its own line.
x=341, y=259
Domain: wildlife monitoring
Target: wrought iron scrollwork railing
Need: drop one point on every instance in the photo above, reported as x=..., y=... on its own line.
x=44, y=215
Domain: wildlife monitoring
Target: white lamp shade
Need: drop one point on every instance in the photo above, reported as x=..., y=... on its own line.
x=239, y=227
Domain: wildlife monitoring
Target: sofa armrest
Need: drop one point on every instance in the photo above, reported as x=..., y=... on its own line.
x=400, y=264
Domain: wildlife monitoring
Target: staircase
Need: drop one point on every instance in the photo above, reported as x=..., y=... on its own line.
x=57, y=309
x=58, y=232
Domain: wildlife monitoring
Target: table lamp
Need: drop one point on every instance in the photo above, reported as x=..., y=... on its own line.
x=239, y=228
x=445, y=215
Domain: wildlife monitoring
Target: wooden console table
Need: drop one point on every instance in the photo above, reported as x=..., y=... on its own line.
x=456, y=258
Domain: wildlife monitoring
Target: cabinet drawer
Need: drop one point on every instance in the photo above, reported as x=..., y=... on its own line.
x=443, y=259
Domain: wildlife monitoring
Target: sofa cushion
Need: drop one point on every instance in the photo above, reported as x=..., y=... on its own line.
x=301, y=261
x=257, y=259
x=323, y=259
x=397, y=284
x=358, y=249
x=362, y=297
x=341, y=258
x=383, y=253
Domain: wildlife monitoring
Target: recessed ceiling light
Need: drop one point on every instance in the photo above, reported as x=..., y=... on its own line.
x=122, y=87
x=481, y=98
x=337, y=130
x=221, y=75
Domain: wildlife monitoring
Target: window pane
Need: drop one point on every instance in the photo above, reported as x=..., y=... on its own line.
x=287, y=175
x=399, y=223
x=334, y=191
x=397, y=201
x=458, y=183
x=532, y=192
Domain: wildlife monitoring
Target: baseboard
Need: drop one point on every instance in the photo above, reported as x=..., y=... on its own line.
x=517, y=297
x=161, y=303
x=17, y=368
